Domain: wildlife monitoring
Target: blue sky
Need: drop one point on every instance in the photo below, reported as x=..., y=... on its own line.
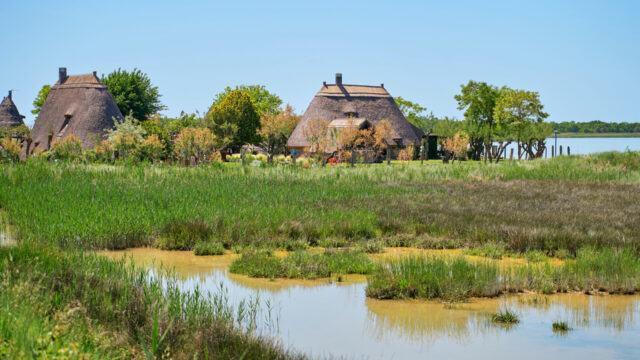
x=583, y=57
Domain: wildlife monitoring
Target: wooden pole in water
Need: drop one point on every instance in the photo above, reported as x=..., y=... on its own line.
x=560, y=153
x=568, y=151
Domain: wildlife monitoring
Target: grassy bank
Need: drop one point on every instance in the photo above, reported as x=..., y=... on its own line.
x=56, y=304
x=615, y=271
x=566, y=202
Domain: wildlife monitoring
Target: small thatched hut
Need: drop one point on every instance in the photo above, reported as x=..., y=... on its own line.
x=9, y=114
x=336, y=102
x=80, y=105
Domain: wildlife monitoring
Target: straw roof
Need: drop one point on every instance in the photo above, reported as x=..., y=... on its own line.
x=9, y=114
x=373, y=103
x=80, y=105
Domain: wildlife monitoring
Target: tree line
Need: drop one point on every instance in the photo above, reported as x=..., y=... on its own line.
x=595, y=127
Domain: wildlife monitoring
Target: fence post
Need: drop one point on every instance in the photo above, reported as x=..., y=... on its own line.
x=511, y=155
x=560, y=153
x=388, y=156
x=553, y=151
x=568, y=151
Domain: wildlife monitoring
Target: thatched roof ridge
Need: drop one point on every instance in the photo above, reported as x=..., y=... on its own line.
x=9, y=114
x=373, y=103
x=80, y=105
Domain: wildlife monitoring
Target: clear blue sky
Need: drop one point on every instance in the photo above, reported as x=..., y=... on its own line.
x=583, y=57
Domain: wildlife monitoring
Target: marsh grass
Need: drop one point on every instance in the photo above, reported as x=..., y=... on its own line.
x=208, y=248
x=303, y=264
x=578, y=201
x=54, y=302
x=435, y=277
x=616, y=271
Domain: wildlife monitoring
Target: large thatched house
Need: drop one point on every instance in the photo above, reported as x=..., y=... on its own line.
x=9, y=114
x=362, y=105
x=80, y=105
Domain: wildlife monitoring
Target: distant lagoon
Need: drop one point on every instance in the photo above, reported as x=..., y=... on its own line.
x=583, y=146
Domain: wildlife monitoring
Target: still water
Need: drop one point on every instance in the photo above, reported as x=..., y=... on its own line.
x=323, y=318
x=584, y=146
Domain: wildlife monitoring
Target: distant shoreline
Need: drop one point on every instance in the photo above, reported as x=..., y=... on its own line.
x=598, y=135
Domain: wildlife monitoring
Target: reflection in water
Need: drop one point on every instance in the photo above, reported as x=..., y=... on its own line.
x=425, y=321
x=321, y=317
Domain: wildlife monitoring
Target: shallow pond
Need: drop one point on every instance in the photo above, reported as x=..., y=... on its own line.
x=327, y=318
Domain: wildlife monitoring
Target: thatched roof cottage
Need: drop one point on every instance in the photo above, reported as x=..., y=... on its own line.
x=9, y=114
x=80, y=105
x=363, y=104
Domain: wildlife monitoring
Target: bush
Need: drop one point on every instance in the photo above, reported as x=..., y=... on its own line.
x=184, y=235
x=67, y=149
x=103, y=152
x=208, y=248
x=10, y=150
x=151, y=149
x=406, y=154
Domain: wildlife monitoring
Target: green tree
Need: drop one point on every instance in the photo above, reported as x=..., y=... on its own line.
x=478, y=100
x=518, y=110
x=40, y=99
x=133, y=92
x=414, y=113
x=276, y=129
x=263, y=100
x=234, y=121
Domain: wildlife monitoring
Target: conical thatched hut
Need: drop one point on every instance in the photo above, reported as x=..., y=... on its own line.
x=80, y=105
x=9, y=114
x=337, y=102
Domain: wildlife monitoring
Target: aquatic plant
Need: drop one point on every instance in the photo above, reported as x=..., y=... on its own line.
x=506, y=317
x=560, y=326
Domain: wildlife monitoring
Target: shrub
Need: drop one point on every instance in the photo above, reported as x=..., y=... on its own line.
x=184, y=234
x=104, y=152
x=10, y=150
x=208, y=248
x=151, y=149
x=406, y=154
x=67, y=149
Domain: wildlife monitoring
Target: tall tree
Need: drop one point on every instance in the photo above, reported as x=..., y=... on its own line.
x=40, y=99
x=518, y=110
x=133, y=92
x=234, y=121
x=478, y=100
x=263, y=100
x=413, y=112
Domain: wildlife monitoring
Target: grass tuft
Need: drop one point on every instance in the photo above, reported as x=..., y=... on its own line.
x=506, y=317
